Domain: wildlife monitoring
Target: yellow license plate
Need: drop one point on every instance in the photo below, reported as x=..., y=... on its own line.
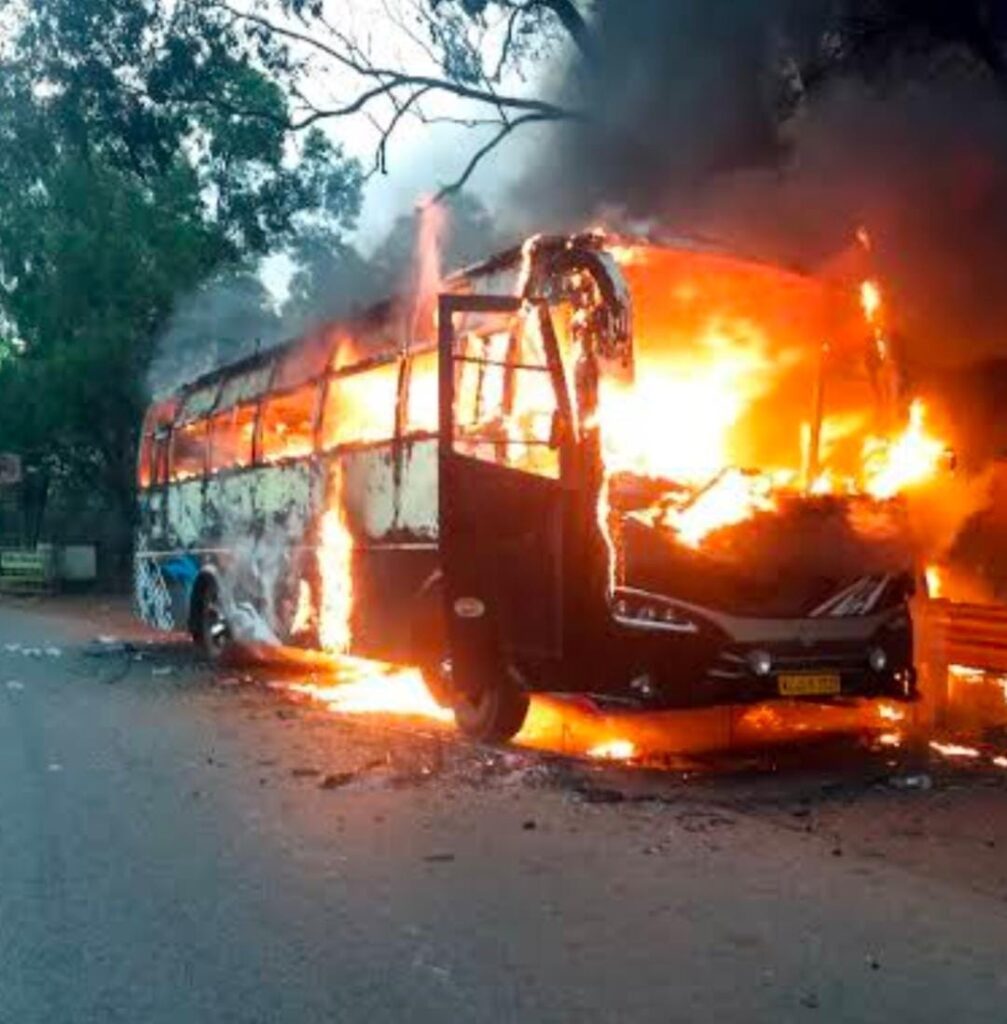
x=809, y=685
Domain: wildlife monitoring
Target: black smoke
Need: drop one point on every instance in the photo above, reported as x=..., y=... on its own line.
x=701, y=121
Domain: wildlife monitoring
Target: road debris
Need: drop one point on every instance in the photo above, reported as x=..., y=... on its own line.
x=105, y=647
x=336, y=780
x=917, y=780
x=33, y=652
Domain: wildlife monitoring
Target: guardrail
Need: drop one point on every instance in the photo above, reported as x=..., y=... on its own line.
x=945, y=634
x=971, y=634
x=28, y=570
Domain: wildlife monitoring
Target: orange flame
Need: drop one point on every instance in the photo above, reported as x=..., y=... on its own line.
x=911, y=458
x=715, y=342
x=935, y=582
x=335, y=559
x=365, y=687
x=890, y=713
x=613, y=750
x=870, y=300
x=303, y=613
x=733, y=498
x=677, y=418
x=953, y=749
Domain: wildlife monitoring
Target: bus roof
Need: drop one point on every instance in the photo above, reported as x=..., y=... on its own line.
x=382, y=311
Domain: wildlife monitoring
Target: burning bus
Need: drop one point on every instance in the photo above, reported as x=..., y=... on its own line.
x=657, y=474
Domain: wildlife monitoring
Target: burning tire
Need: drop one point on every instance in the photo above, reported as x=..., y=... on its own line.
x=210, y=629
x=497, y=712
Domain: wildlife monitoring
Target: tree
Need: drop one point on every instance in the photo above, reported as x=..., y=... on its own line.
x=114, y=204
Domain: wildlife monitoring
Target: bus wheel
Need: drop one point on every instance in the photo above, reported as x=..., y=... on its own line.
x=497, y=712
x=211, y=632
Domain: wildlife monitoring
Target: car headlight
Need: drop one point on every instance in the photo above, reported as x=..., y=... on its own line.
x=760, y=662
x=877, y=658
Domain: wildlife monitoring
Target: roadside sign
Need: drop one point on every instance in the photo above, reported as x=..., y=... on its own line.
x=10, y=469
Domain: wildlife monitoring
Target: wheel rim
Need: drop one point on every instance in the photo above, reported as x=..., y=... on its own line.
x=216, y=633
x=481, y=705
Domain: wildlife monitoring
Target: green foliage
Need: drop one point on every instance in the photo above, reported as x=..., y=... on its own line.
x=142, y=152
x=458, y=30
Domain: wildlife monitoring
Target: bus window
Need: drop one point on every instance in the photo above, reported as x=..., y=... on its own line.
x=479, y=381
x=244, y=387
x=288, y=424
x=159, y=456
x=304, y=362
x=361, y=406
x=198, y=403
x=422, y=401
x=379, y=335
x=144, y=473
x=231, y=437
x=505, y=402
x=152, y=463
x=188, y=450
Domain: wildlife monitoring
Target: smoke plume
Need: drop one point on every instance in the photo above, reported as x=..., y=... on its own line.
x=226, y=319
x=691, y=129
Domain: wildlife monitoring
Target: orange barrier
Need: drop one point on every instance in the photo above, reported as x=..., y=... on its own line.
x=971, y=634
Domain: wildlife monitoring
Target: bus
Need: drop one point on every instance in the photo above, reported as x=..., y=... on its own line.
x=587, y=465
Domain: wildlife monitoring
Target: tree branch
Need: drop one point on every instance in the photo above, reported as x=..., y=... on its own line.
x=401, y=109
x=575, y=24
x=505, y=129
x=392, y=79
x=508, y=41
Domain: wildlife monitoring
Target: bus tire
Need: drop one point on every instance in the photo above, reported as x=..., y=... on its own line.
x=210, y=630
x=499, y=710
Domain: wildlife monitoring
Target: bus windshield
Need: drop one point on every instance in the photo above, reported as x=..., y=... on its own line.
x=734, y=361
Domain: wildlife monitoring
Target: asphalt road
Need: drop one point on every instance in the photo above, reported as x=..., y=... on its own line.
x=169, y=855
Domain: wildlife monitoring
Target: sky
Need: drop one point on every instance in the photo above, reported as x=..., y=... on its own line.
x=420, y=157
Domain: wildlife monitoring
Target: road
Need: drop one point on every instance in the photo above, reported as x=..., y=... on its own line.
x=178, y=849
